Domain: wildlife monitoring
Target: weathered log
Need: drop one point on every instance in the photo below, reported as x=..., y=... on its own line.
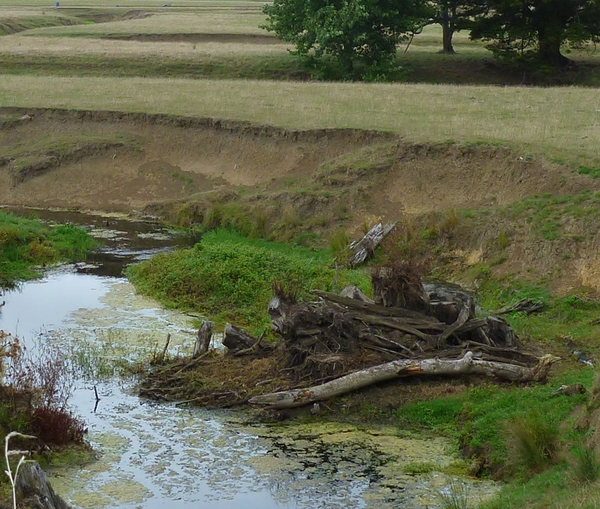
x=236, y=339
x=375, y=309
x=34, y=490
x=468, y=364
x=365, y=247
x=203, y=340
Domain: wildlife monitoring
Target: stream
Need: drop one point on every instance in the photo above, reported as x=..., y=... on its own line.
x=151, y=455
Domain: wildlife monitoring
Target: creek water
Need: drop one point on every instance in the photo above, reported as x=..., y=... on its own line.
x=151, y=455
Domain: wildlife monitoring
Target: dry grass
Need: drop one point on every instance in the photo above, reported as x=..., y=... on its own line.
x=127, y=4
x=555, y=121
x=230, y=20
x=181, y=51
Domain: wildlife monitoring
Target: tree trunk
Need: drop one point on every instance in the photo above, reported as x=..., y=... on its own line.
x=447, y=34
x=549, y=53
x=403, y=368
x=365, y=247
x=447, y=23
x=550, y=38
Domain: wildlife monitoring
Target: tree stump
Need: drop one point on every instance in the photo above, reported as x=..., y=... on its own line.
x=203, y=340
x=34, y=490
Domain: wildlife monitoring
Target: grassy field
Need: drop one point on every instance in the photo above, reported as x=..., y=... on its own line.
x=557, y=122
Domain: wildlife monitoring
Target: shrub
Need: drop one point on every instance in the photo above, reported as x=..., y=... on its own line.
x=57, y=427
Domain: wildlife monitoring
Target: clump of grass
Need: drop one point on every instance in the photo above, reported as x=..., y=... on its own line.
x=503, y=240
x=533, y=440
x=454, y=496
x=449, y=222
x=339, y=241
x=587, y=466
x=418, y=468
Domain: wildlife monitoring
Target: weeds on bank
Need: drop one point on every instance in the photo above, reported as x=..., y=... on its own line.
x=587, y=466
x=34, y=393
x=27, y=243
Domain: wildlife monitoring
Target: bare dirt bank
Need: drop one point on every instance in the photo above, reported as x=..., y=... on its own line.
x=289, y=183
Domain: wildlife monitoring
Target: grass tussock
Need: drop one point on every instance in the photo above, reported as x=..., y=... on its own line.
x=533, y=441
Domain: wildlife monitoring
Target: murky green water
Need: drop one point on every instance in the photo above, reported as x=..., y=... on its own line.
x=155, y=455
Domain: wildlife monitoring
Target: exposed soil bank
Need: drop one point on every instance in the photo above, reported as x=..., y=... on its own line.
x=289, y=183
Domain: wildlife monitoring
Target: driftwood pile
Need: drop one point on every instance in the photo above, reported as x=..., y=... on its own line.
x=349, y=341
x=337, y=343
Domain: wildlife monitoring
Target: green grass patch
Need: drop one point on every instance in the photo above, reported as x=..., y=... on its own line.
x=480, y=419
x=571, y=316
x=229, y=277
x=27, y=244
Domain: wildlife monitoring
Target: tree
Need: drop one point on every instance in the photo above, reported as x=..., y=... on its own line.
x=537, y=28
x=360, y=35
x=455, y=15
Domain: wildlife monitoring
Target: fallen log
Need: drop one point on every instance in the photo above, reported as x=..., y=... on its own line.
x=526, y=305
x=236, y=339
x=468, y=364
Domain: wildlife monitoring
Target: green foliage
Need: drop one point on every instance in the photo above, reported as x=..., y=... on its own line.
x=230, y=276
x=571, y=315
x=592, y=172
x=526, y=29
x=340, y=39
x=27, y=243
x=418, y=468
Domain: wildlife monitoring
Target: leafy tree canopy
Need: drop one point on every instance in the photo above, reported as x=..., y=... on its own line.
x=360, y=35
x=537, y=28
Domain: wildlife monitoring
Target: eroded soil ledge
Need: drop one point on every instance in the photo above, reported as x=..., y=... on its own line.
x=485, y=205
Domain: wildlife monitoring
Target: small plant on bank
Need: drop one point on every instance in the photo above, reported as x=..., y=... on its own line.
x=587, y=466
x=12, y=476
x=503, y=240
x=454, y=496
x=533, y=440
x=338, y=243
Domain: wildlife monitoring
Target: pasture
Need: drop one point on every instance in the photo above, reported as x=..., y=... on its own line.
x=211, y=59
